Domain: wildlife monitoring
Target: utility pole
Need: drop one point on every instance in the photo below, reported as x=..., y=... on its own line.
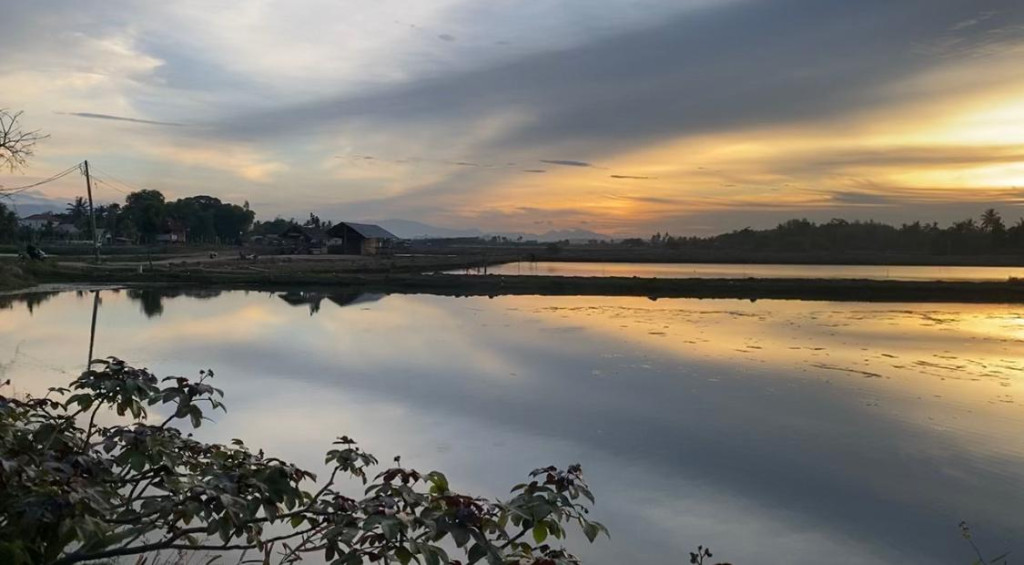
x=92, y=330
x=92, y=216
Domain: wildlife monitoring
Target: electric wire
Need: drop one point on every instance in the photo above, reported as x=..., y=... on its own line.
x=15, y=190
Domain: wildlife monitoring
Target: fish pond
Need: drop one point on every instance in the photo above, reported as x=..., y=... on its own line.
x=775, y=432
x=736, y=271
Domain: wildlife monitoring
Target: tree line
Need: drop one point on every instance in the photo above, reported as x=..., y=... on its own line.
x=143, y=216
x=146, y=213
x=988, y=234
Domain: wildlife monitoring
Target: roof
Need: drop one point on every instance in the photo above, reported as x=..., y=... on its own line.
x=304, y=233
x=369, y=231
x=49, y=216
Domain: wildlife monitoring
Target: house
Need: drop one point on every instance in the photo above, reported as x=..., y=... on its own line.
x=304, y=239
x=67, y=230
x=39, y=221
x=172, y=232
x=351, y=238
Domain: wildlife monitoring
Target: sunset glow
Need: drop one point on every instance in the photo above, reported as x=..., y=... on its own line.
x=546, y=115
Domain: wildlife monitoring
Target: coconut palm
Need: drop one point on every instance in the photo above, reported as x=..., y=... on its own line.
x=991, y=221
x=78, y=211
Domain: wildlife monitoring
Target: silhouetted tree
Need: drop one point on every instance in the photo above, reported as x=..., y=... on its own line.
x=965, y=237
x=78, y=211
x=146, y=210
x=8, y=224
x=16, y=144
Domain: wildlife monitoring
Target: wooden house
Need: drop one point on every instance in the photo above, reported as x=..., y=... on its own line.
x=304, y=239
x=350, y=238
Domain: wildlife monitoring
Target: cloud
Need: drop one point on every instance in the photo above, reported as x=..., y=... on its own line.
x=741, y=105
x=647, y=199
x=446, y=37
x=862, y=198
x=972, y=21
x=566, y=162
x=118, y=118
x=600, y=94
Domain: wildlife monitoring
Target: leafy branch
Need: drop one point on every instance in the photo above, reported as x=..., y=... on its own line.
x=73, y=491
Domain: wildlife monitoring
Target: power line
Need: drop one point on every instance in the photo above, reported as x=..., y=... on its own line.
x=108, y=184
x=116, y=179
x=11, y=191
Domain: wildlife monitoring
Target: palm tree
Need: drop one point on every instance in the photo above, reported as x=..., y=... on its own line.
x=991, y=221
x=78, y=210
x=965, y=226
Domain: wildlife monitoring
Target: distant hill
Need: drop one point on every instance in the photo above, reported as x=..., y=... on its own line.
x=572, y=235
x=409, y=229
x=33, y=202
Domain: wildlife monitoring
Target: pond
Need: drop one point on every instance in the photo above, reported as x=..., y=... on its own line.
x=733, y=271
x=776, y=432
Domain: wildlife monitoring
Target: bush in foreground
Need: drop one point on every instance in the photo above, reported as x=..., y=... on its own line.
x=73, y=491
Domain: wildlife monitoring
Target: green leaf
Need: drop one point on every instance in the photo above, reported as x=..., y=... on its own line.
x=460, y=535
x=196, y=416
x=430, y=555
x=390, y=527
x=591, y=530
x=137, y=461
x=438, y=482
x=540, y=532
x=403, y=555
x=476, y=553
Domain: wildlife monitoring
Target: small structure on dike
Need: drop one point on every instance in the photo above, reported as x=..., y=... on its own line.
x=350, y=238
x=304, y=239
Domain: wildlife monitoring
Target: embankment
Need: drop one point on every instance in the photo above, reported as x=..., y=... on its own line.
x=492, y=285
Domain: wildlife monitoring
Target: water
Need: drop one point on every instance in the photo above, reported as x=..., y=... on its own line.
x=733, y=271
x=777, y=432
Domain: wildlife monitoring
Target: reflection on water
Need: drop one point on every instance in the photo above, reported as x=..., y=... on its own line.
x=731, y=271
x=313, y=299
x=775, y=432
x=30, y=300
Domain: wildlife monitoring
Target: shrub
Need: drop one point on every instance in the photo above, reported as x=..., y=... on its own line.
x=73, y=491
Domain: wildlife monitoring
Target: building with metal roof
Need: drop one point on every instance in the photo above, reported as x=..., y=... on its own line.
x=361, y=239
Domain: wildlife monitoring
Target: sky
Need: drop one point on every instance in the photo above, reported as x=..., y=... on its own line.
x=623, y=117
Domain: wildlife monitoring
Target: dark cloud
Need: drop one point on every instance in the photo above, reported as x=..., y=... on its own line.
x=862, y=199
x=633, y=177
x=535, y=170
x=566, y=162
x=736, y=66
x=94, y=116
x=446, y=37
x=739, y=65
x=647, y=199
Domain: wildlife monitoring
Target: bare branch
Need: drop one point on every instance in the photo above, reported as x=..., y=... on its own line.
x=16, y=144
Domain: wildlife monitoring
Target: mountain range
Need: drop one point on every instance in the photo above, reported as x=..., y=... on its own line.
x=409, y=229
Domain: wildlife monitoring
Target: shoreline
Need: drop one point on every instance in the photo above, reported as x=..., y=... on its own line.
x=840, y=290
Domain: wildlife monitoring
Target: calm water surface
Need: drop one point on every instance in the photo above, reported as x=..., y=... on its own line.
x=731, y=271
x=776, y=432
